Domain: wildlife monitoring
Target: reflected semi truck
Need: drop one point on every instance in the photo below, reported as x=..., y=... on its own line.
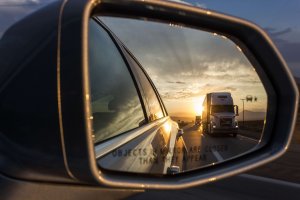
x=219, y=114
x=198, y=120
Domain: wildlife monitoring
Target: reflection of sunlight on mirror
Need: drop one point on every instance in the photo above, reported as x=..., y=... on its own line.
x=167, y=127
x=198, y=102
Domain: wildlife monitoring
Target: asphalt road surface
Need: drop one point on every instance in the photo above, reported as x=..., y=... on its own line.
x=195, y=149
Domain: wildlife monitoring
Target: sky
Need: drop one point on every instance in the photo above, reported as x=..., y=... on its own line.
x=12, y=11
x=280, y=19
x=185, y=64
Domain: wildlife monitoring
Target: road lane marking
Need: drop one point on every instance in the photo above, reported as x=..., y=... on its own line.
x=186, y=149
x=271, y=180
x=217, y=155
x=245, y=137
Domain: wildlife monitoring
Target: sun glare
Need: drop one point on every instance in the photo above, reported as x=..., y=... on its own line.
x=198, y=108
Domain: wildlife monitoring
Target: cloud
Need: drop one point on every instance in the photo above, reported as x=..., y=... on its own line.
x=201, y=5
x=181, y=1
x=186, y=63
x=289, y=50
x=288, y=47
x=274, y=33
x=18, y=2
x=177, y=82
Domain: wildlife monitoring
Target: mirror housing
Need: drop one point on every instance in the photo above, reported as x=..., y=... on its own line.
x=74, y=99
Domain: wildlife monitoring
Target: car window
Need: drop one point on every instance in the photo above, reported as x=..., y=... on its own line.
x=154, y=108
x=115, y=102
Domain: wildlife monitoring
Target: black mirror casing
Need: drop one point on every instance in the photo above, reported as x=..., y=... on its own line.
x=75, y=111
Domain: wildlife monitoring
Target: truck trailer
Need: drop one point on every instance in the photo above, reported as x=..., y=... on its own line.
x=219, y=114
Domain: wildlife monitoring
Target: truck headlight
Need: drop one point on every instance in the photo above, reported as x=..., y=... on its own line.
x=214, y=125
x=236, y=124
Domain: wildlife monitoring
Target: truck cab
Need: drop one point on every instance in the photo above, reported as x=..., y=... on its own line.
x=219, y=114
x=198, y=120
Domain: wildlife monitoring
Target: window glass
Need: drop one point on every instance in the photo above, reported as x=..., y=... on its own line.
x=154, y=108
x=222, y=108
x=115, y=103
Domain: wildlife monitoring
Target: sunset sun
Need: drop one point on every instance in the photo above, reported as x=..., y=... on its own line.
x=198, y=108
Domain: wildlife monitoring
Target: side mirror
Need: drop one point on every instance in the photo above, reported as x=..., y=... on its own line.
x=138, y=146
x=104, y=132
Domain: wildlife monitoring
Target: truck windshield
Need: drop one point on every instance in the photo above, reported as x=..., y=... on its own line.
x=222, y=108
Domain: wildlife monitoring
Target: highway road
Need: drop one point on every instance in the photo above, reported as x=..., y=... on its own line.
x=195, y=149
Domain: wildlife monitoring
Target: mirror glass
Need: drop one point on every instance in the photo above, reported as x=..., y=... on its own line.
x=167, y=99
